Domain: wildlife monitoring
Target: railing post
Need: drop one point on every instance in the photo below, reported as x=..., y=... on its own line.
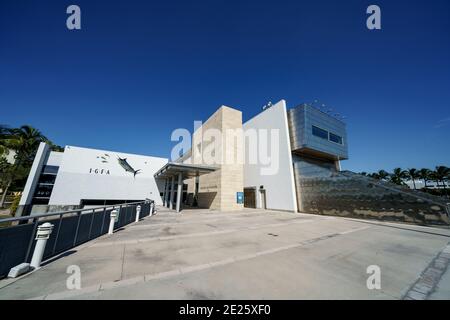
x=126, y=214
x=152, y=205
x=30, y=244
x=90, y=227
x=138, y=211
x=43, y=234
x=103, y=221
x=78, y=227
x=57, y=233
x=112, y=220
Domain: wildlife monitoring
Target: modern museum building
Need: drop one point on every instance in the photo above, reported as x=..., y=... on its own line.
x=80, y=177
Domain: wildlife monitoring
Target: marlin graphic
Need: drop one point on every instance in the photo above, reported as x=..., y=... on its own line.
x=124, y=164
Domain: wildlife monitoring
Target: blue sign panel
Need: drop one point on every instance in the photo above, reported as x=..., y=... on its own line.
x=240, y=197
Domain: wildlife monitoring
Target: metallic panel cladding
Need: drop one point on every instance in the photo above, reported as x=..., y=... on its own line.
x=301, y=120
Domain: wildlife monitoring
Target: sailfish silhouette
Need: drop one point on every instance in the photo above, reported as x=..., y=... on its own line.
x=127, y=167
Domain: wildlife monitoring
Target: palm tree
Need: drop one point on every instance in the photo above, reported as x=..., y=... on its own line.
x=55, y=147
x=398, y=175
x=4, y=133
x=425, y=175
x=383, y=175
x=6, y=170
x=441, y=174
x=413, y=174
x=24, y=141
x=374, y=175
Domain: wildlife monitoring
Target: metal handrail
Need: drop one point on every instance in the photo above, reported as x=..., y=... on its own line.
x=73, y=236
x=61, y=213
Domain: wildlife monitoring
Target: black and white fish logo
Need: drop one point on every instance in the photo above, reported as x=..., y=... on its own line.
x=127, y=167
x=104, y=158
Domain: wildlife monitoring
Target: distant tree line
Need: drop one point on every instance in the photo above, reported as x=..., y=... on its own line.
x=24, y=142
x=440, y=175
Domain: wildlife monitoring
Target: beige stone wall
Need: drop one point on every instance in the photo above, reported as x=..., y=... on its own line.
x=232, y=172
x=218, y=189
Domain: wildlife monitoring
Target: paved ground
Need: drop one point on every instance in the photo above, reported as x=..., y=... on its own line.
x=252, y=254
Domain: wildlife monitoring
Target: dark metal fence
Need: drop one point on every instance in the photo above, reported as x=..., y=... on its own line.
x=71, y=228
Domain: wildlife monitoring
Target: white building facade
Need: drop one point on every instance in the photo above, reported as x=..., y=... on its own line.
x=80, y=177
x=289, y=145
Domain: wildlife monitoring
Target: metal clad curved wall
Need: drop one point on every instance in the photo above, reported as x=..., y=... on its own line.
x=301, y=120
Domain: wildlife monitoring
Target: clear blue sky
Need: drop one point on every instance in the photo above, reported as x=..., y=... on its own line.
x=139, y=69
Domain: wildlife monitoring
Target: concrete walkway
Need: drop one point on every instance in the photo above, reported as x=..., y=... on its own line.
x=253, y=254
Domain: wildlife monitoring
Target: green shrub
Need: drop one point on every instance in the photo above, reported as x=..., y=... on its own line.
x=14, y=204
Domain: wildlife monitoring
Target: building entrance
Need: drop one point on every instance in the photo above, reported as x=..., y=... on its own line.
x=249, y=198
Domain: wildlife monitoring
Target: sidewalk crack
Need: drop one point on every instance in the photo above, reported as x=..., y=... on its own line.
x=123, y=261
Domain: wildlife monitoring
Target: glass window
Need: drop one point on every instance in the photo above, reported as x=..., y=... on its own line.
x=43, y=191
x=47, y=179
x=319, y=133
x=50, y=170
x=335, y=138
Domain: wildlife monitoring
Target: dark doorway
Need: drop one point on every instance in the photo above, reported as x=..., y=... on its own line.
x=250, y=198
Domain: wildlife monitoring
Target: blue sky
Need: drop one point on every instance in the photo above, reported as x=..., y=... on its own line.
x=139, y=69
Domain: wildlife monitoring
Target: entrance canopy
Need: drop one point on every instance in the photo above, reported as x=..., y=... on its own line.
x=180, y=171
x=187, y=171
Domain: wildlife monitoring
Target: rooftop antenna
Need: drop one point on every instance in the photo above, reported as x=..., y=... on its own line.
x=267, y=106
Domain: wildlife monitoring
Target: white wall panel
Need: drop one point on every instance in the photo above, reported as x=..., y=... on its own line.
x=280, y=188
x=98, y=174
